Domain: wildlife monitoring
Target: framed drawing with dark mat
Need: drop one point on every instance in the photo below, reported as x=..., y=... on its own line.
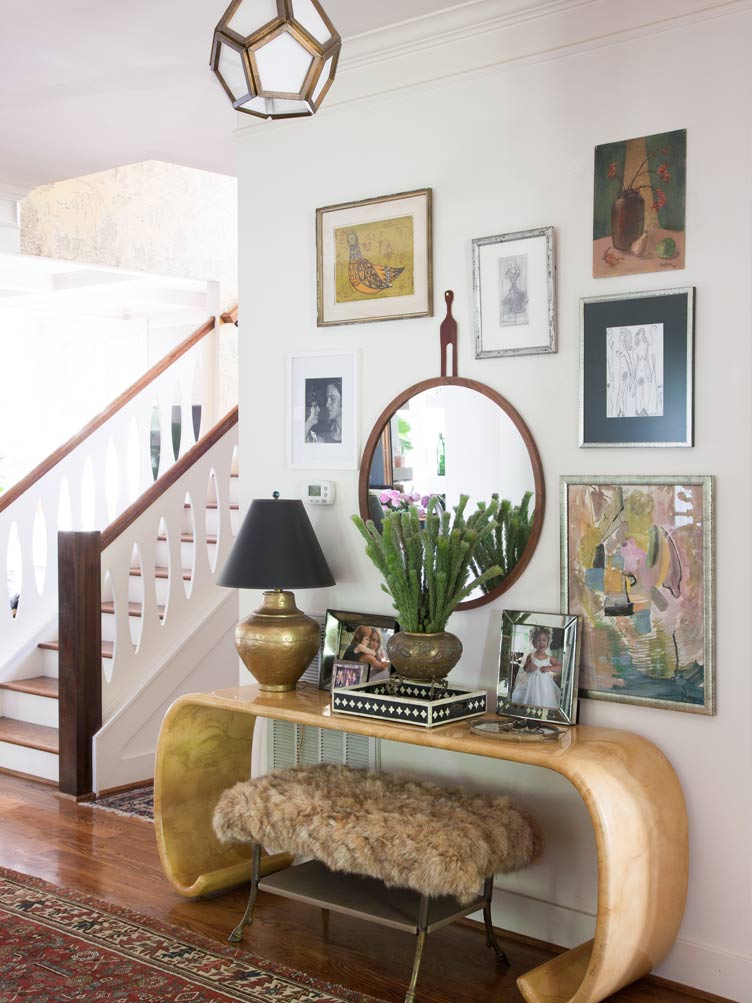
x=358, y=640
x=373, y=259
x=636, y=369
x=637, y=566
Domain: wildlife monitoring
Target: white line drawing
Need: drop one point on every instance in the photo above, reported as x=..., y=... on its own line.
x=634, y=371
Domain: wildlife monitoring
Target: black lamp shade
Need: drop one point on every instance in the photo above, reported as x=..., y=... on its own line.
x=276, y=548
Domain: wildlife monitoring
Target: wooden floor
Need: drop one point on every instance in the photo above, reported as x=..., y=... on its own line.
x=115, y=858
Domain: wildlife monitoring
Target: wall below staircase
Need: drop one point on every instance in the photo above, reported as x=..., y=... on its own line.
x=124, y=748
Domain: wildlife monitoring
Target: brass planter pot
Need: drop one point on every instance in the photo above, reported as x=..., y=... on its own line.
x=424, y=656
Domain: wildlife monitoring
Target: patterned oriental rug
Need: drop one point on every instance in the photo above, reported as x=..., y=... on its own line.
x=139, y=802
x=59, y=946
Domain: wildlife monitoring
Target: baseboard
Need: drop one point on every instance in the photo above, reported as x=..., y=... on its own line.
x=134, y=785
x=4, y=771
x=544, y=945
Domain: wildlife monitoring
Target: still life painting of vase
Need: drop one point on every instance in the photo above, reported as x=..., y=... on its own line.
x=639, y=205
x=636, y=566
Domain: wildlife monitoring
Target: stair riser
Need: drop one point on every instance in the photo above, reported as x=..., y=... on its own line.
x=187, y=551
x=31, y=761
x=29, y=707
x=49, y=663
x=136, y=589
x=108, y=627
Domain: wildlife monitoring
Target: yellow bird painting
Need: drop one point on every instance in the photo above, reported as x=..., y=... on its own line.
x=365, y=276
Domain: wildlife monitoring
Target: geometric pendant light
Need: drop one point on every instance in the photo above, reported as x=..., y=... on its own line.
x=275, y=58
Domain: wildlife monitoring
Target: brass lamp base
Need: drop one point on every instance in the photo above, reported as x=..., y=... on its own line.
x=277, y=642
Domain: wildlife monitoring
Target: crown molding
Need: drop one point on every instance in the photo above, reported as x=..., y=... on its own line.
x=483, y=34
x=14, y=192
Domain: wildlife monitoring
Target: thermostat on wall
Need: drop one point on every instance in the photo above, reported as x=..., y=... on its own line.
x=320, y=492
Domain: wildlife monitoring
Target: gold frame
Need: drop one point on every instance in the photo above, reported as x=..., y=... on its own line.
x=321, y=320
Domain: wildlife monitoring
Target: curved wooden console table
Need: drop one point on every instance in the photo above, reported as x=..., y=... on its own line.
x=630, y=789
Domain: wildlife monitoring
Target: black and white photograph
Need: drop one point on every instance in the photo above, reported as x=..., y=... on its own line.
x=323, y=409
x=538, y=666
x=514, y=293
x=636, y=369
x=323, y=391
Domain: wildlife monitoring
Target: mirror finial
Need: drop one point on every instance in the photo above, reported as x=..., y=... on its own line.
x=448, y=335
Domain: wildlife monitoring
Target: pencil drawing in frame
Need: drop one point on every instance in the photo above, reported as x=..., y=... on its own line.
x=636, y=369
x=514, y=293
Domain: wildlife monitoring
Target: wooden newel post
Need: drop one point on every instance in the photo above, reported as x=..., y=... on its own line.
x=80, y=656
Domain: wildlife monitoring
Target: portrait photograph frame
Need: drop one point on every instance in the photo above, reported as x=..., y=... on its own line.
x=637, y=369
x=637, y=565
x=340, y=637
x=345, y=674
x=323, y=410
x=374, y=259
x=514, y=293
x=536, y=650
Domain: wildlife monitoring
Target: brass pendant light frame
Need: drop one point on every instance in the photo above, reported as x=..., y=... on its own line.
x=248, y=46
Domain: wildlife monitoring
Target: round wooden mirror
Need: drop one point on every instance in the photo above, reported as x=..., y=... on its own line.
x=450, y=436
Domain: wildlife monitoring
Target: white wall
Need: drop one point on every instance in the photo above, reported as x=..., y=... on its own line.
x=506, y=148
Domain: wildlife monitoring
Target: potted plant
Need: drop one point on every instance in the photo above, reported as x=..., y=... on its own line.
x=427, y=566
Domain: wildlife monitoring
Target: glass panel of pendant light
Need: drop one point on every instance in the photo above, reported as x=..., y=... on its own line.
x=282, y=65
x=283, y=106
x=304, y=11
x=323, y=79
x=230, y=68
x=252, y=15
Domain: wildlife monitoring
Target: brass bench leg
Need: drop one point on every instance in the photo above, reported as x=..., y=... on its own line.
x=422, y=930
x=491, y=941
x=237, y=933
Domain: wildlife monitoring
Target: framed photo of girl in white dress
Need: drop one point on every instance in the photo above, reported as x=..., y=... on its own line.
x=538, y=666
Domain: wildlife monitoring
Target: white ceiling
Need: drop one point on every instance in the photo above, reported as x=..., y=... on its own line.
x=86, y=85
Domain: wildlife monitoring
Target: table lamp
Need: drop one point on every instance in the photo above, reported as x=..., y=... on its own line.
x=277, y=550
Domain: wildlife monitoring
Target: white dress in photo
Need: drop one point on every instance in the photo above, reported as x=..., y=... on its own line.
x=536, y=688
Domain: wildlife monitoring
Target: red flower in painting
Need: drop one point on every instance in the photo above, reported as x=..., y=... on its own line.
x=664, y=172
x=660, y=198
x=612, y=169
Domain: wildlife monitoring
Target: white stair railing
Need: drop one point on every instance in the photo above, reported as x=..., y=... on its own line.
x=111, y=462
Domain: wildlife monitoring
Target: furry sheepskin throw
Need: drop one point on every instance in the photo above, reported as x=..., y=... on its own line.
x=406, y=832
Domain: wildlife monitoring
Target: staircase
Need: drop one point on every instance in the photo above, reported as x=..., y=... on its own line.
x=149, y=585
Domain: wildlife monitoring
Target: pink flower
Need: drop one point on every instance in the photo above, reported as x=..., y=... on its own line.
x=660, y=199
x=384, y=497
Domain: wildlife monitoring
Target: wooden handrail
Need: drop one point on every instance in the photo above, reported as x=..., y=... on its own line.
x=53, y=459
x=230, y=316
x=176, y=471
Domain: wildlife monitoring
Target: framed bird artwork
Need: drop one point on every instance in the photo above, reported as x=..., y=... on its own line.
x=373, y=259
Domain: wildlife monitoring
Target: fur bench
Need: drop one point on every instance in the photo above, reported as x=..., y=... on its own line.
x=404, y=832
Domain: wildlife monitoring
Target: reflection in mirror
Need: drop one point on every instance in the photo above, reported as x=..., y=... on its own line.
x=457, y=437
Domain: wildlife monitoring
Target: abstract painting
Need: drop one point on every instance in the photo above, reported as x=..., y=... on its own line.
x=637, y=567
x=374, y=259
x=638, y=205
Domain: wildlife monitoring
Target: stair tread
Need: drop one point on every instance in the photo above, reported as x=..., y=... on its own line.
x=134, y=608
x=40, y=686
x=161, y=573
x=107, y=647
x=189, y=538
x=32, y=736
x=234, y=506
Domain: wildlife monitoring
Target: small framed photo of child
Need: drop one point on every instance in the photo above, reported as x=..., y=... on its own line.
x=538, y=666
x=358, y=639
x=348, y=673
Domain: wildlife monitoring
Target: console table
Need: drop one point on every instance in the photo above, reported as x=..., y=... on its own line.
x=631, y=792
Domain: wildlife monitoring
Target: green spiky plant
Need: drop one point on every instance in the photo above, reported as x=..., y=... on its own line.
x=505, y=545
x=426, y=567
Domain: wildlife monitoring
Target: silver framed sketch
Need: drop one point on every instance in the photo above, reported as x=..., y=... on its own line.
x=357, y=639
x=514, y=293
x=636, y=369
x=637, y=566
x=539, y=660
x=323, y=392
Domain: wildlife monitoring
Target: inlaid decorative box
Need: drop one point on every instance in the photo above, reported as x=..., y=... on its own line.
x=409, y=702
